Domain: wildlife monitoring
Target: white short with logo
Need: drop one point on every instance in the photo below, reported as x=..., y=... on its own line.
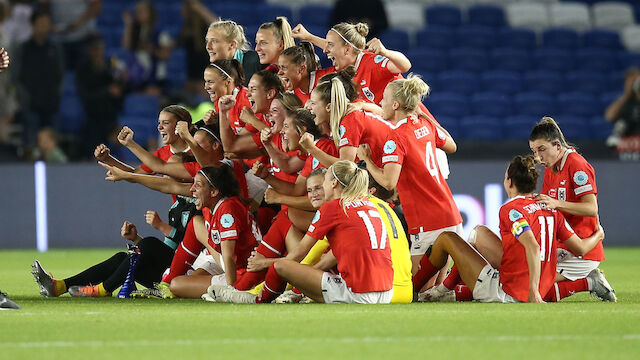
x=573, y=267
x=206, y=262
x=335, y=291
x=489, y=289
x=421, y=241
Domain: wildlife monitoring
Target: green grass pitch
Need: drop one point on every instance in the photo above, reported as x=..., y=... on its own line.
x=67, y=328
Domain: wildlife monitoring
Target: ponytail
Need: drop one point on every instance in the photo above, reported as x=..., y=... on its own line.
x=523, y=173
x=409, y=92
x=548, y=129
x=281, y=30
x=339, y=108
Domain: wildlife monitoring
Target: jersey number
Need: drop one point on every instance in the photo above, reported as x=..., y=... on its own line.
x=546, y=237
x=431, y=162
x=375, y=244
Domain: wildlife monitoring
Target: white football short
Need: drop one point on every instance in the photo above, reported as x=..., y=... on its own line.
x=421, y=241
x=206, y=262
x=335, y=291
x=489, y=289
x=573, y=267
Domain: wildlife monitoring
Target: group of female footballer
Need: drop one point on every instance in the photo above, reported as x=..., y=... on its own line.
x=269, y=203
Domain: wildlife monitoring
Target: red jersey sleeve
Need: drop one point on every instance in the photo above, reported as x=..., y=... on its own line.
x=350, y=130
x=229, y=223
x=192, y=168
x=324, y=220
x=583, y=178
x=393, y=150
x=564, y=229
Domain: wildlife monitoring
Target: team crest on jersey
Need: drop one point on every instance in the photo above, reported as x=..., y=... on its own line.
x=342, y=131
x=368, y=93
x=215, y=237
x=562, y=194
x=316, y=217
x=389, y=147
x=226, y=220
x=315, y=163
x=580, y=178
x=185, y=218
x=514, y=215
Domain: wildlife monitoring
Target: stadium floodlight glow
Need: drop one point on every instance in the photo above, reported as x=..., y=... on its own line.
x=492, y=204
x=472, y=209
x=42, y=232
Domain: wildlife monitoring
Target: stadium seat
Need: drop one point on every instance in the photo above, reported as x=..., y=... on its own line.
x=458, y=81
x=627, y=59
x=571, y=15
x=511, y=59
x=534, y=103
x=560, y=38
x=266, y=12
x=450, y=124
x=71, y=115
x=434, y=37
x=144, y=128
x=587, y=81
x=523, y=39
x=469, y=59
x=443, y=15
x=395, y=39
x=554, y=59
x=596, y=59
x=631, y=37
x=500, y=81
x=486, y=15
x=600, y=38
x=528, y=15
x=491, y=104
x=548, y=82
x=428, y=60
x=141, y=105
x=574, y=127
x=612, y=15
x=473, y=36
x=241, y=13
x=402, y=15
x=579, y=104
x=314, y=15
x=69, y=84
x=447, y=104
x=600, y=129
x=480, y=127
x=430, y=78
x=518, y=127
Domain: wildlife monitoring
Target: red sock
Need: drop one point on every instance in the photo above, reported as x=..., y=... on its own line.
x=186, y=253
x=273, y=243
x=427, y=270
x=452, y=279
x=463, y=293
x=295, y=290
x=273, y=286
x=249, y=279
x=563, y=289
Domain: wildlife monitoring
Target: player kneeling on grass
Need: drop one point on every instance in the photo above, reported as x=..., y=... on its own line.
x=530, y=233
x=359, y=241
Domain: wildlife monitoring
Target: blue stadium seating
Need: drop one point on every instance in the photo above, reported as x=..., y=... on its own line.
x=450, y=124
x=493, y=104
x=546, y=81
x=579, y=104
x=475, y=37
x=141, y=105
x=71, y=115
x=69, y=84
x=469, y=59
x=427, y=60
x=434, y=37
x=574, y=127
x=486, y=15
x=314, y=15
x=458, y=81
x=144, y=128
x=501, y=81
x=600, y=129
x=554, y=59
x=511, y=59
x=534, y=103
x=587, y=81
x=447, y=104
x=266, y=12
x=517, y=38
x=480, y=127
x=628, y=59
x=600, y=38
x=443, y=15
x=560, y=38
x=395, y=39
x=518, y=127
x=242, y=13
x=596, y=59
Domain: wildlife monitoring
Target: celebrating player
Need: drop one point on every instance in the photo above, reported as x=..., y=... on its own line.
x=272, y=38
x=300, y=71
x=226, y=40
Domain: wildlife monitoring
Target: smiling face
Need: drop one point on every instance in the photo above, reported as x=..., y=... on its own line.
x=318, y=107
x=549, y=153
x=217, y=47
x=277, y=114
x=167, y=127
x=258, y=96
x=315, y=190
x=215, y=85
x=291, y=73
x=339, y=52
x=290, y=134
x=268, y=47
x=201, y=192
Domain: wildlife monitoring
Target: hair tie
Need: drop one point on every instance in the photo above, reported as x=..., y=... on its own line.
x=209, y=132
x=336, y=177
x=219, y=68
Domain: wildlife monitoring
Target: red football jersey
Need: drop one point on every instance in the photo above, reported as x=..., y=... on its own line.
x=372, y=75
x=359, y=242
x=163, y=153
x=194, y=167
x=277, y=141
x=548, y=226
x=231, y=220
x=324, y=144
x=360, y=127
x=242, y=101
x=314, y=78
x=424, y=194
x=575, y=178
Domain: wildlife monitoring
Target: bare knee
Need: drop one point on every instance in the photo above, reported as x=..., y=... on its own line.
x=177, y=285
x=281, y=266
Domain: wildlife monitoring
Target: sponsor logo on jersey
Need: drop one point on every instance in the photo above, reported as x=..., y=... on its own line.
x=389, y=158
x=316, y=217
x=562, y=194
x=342, y=131
x=421, y=132
x=514, y=215
x=314, y=163
x=552, y=193
x=368, y=93
x=389, y=147
x=580, y=178
x=226, y=220
x=563, y=182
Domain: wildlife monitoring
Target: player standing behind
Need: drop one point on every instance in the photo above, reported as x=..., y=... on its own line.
x=345, y=45
x=408, y=156
x=300, y=71
x=359, y=241
x=226, y=40
x=271, y=39
x=570, y=187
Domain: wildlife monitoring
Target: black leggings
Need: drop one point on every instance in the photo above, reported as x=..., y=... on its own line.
x=155, y=258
